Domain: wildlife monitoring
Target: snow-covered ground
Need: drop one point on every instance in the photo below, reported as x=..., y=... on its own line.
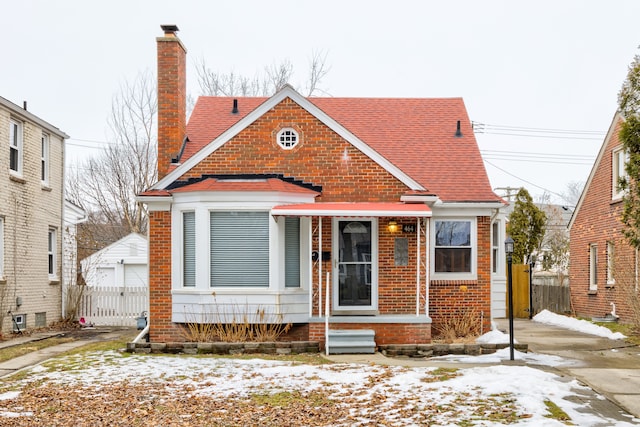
x=457, y=394
x=549, y=318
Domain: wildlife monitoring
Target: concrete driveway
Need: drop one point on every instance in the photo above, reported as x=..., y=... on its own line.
x=610, y=367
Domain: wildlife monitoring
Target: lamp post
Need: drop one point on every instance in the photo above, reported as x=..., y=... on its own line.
x=508, y=249
x=532, y=265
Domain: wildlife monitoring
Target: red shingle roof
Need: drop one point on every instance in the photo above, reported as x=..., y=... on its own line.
x=417, y=135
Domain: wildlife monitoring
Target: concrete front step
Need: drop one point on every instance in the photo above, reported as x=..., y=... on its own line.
x=351, y=341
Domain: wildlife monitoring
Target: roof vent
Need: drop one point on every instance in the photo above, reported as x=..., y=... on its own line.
x=235, y=107
x=458, y=132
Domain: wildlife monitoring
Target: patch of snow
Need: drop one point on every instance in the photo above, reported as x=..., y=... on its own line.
x=494, y=337
x=549, y=318
x=504, y=354
x=9, y=395
x=526, y=387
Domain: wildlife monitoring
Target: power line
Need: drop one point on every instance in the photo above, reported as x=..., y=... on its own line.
x=532, y=132
x=516, y=156
x=526, y=181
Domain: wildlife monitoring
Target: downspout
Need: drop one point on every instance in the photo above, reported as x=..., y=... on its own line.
x=320, y=266
x=142, y=334
x=310, y=270
x=427, y=268
x=418, y=266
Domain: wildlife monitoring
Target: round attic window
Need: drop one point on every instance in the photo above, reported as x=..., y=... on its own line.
x=288, y=138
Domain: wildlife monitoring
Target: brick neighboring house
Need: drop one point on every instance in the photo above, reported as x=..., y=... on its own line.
x=31, y=219
x=263, y=201
x=602, y=265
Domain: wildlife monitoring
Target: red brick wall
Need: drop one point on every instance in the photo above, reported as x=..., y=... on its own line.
x=597, y=222
x=172, y=99
x=386, y=333
x=448, y=298
x=161, y=328
x=323, y=158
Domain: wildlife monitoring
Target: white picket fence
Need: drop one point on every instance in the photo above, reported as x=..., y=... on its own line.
x=113, y=306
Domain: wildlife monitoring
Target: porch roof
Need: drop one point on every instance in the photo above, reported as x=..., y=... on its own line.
x=354, y=209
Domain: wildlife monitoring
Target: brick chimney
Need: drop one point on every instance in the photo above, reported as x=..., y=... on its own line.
x=172, y=97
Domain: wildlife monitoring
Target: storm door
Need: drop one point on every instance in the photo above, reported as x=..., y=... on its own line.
x=355, y=245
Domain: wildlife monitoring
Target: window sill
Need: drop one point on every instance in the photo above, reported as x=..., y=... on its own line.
x=592, y=292
x=45, y=187
x=3, y=280
x=610, y=285
x=17, y=178
x=54, y=281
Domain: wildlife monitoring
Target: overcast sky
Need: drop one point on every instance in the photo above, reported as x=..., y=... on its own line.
x=541, y=65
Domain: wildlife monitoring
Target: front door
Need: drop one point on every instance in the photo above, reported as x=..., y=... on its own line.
x=355, y=244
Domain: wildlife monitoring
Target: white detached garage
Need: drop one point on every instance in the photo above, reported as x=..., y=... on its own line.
x=117, y=279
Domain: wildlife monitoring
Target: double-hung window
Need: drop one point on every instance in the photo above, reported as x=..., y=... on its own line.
x=51, y=249
x=189, y=249
x=610, y=264
x=15, y=146
x=495, y=246
x=618, y=172
x=239, y=248
x=453, y=250
x=44, y=159
x=593, y=267
x=292, y=252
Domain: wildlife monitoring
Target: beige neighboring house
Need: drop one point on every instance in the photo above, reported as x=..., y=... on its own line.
x=73, y=215
x=31, y=219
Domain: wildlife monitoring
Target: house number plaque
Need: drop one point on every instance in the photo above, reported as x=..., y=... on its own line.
x=408, y=228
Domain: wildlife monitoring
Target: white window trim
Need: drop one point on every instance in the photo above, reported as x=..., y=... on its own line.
x=44, y=158
x=593, y=267
x=280, y=135
x=19, y=145
x=230, y=202
x=472, y=275
x=496, y=240
x=52, y=252
x=617, y=171
x=611, y=281
x=182, y=254
x=335, y=250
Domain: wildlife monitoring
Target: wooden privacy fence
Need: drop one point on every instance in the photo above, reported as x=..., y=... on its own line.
x=547, y=293
x=113, y=305
x=554, y=298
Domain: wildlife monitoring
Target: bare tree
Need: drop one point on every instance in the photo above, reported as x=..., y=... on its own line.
x=573, y=193
x=273, y=78
x=106, y=185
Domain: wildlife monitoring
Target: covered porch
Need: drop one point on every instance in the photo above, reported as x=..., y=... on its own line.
x=369, y=272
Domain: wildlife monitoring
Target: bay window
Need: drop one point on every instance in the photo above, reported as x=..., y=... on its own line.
x=239, y=248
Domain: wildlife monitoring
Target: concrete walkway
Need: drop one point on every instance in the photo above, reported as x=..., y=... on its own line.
x=12, y=366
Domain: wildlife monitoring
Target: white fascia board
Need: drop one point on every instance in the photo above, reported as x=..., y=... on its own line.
x=156, y=203
x=286, y=92
x=603, y=148
x=466, y=209
x=242, y=196
x=351, y=213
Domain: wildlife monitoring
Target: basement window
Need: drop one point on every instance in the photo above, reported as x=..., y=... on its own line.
x=288, y=138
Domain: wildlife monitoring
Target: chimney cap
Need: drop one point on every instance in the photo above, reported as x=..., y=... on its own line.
x=169, y=29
